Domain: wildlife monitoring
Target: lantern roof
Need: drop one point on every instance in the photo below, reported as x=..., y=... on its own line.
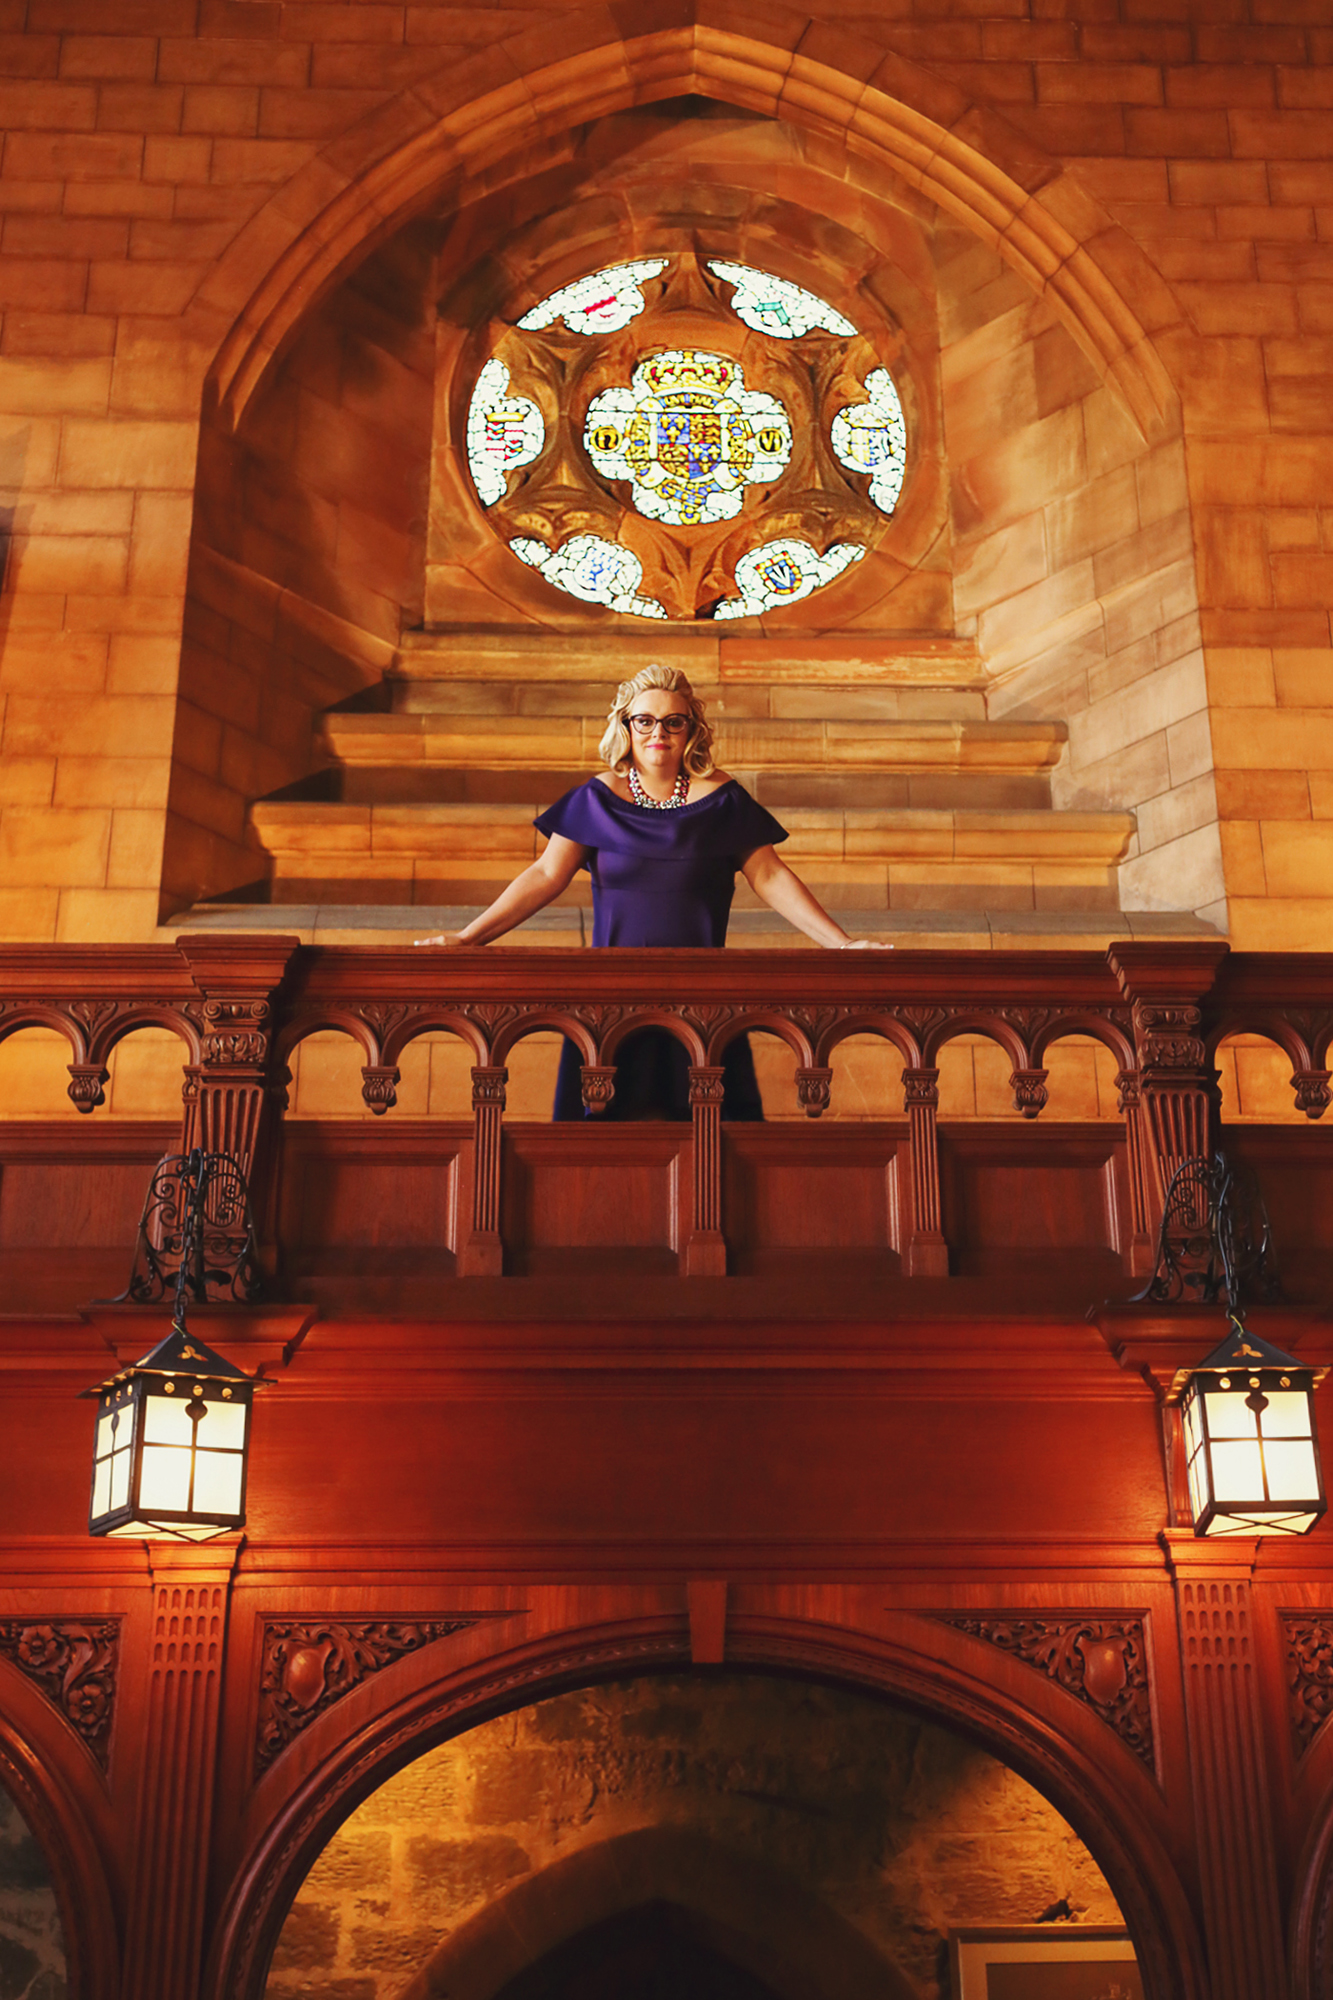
x=180, y=1353
x=1242, y=1349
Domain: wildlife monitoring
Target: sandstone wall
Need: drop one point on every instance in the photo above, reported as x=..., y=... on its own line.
x=900, y=1827
x=161, y=155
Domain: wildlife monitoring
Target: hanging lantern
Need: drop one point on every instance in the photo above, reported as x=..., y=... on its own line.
x=173, y=1433
x=1250, y=1440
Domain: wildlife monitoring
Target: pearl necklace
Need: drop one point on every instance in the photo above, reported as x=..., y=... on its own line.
x=641, y=798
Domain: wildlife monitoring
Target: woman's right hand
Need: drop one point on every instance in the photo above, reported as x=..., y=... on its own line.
x=449, y=941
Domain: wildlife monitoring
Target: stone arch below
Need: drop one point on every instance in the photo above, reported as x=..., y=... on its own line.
x=760, y=1919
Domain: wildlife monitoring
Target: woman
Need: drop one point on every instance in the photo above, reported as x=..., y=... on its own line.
x=663, y=833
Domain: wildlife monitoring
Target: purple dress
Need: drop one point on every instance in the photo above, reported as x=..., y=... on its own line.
x=661, y=878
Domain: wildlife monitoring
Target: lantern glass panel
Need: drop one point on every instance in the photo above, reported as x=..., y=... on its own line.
x=217, y=1482
x=1238, y=1472
x=164, y=1479
x=120, y=1478
x=165, y=1421
x=1229, y=1415
x=223, y=1428
x=1292, y=1472
x=1287, y=1415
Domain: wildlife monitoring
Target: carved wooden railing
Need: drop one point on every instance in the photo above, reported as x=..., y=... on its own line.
x=241, y=1005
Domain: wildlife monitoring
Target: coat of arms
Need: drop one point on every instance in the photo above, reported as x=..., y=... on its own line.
x=689, y=436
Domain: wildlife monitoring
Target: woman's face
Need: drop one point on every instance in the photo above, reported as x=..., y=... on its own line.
x=659, y=749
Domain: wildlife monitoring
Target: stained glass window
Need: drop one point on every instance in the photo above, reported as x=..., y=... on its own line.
x=872, y=437
x=776, y=306
x=601, y=303
x=783, y=572
x=689, y=435
x=589, y=567
x=503, y=432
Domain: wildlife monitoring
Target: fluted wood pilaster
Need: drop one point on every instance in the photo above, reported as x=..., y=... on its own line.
x=178, y=1769
x=1233, y=1811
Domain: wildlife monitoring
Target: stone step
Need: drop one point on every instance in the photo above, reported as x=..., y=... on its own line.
x=725, y=702
x=799, y=746
x=568, y=928
x=905, y=859
x=707, y=652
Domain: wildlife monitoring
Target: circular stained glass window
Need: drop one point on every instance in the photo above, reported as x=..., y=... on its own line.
x=590, y=416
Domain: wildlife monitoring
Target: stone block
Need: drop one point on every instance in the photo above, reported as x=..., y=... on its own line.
x=41, y=284
x=217, y=59
x=139, y=782
x=58, y=334
x=1243, y=857
x=1176, y=134
x=1182, y=874
x=1298, y=855
x=1280, y=924
x=1240, y=677
x=1303, y=677
x=49, y=848
x=28, y=914
x=98, y=725
x=44, y=662
x=92, y=564
x=223, y=108
x=1272, y=794
x=128, y=452
x=1281, y=135
x=1172, y=814
x=77, y=156
x=1302, y=579
x=108, y=58
x=1099, y=83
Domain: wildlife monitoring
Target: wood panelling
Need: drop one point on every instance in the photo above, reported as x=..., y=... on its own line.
x=349, y=1193
x=593, y=1198
x=1057, y=1203
x=63, y=1189
x=813, y=1198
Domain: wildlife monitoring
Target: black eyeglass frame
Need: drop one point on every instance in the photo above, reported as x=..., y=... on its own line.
x=644, y=725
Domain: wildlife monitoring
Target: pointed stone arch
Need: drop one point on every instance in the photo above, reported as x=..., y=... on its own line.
x=448, y=129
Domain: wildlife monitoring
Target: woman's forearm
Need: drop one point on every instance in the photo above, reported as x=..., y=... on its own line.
x=526, y=894
x=786, y=893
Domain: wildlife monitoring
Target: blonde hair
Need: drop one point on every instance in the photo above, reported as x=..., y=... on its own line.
x=614, y=747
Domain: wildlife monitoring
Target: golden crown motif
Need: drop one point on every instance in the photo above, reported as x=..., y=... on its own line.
x=670, y=374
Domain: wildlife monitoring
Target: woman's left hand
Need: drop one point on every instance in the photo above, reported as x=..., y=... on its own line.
x=865, y=944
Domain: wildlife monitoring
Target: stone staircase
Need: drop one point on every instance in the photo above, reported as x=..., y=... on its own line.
x=909, y=811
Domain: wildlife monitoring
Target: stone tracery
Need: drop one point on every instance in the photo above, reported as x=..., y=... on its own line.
x=670, y=417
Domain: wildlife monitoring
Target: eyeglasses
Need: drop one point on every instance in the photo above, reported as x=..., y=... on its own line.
x=644, y=725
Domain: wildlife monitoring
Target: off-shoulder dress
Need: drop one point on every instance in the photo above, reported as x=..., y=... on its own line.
x=661, y=878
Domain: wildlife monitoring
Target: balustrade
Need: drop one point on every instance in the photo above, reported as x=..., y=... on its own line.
x=242, y=1005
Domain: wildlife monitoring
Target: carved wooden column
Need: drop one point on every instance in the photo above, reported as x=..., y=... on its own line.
x=1177, y=1086
x=178, y=1765
x=927, y=1251
x=706, y=1247
x=483, y=1252
x=1142, y=1247
x=1233, y=1809
x=230, y=1102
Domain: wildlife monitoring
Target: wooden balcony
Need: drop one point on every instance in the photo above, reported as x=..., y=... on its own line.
x=868, y=1217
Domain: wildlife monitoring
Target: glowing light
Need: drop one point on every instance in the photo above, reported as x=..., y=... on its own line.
x=783, y=572
x=503, y=432
x=872, y=437
x=593, y=569
x=603, y=302
x=689, y=436
x=776, y=306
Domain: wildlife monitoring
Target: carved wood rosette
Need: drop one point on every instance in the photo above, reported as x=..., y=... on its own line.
x=706, y=1249
x=178, y=1770
x=1102, y=1662
x=1308, y=1644
x=75, y=1663
x=483, y=1252
x=308, y=1666
x=1232, y=1795
x=927, y=1251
